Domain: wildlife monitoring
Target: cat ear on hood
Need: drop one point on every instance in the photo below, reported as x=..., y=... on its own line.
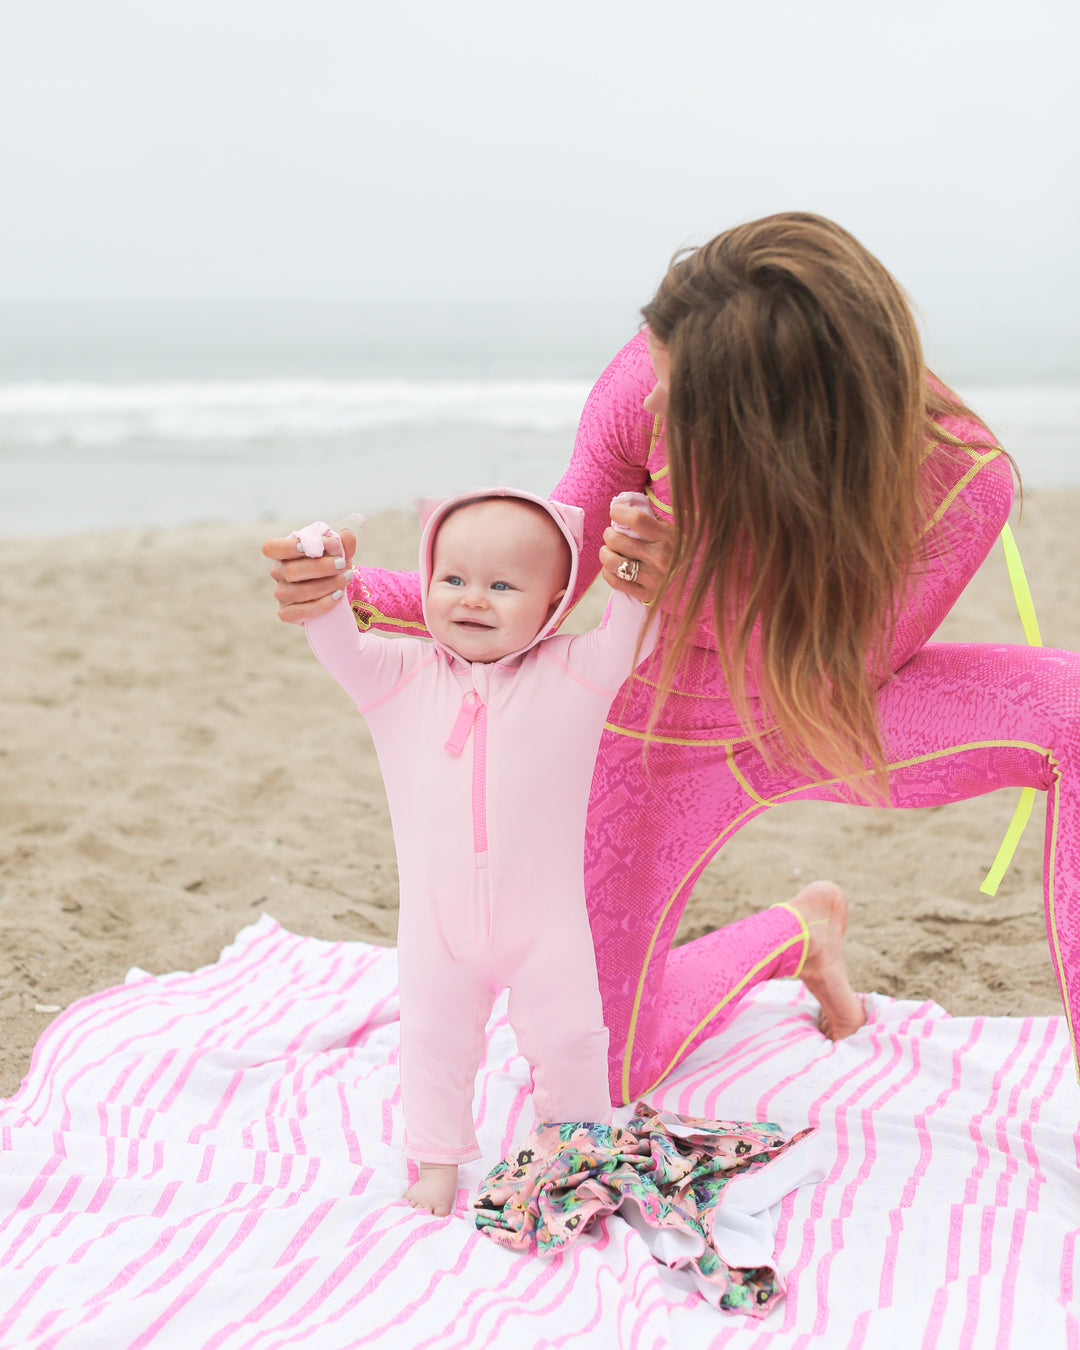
x=573, y=517
x=426, y=508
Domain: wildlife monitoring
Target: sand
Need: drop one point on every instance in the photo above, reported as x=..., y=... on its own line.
x=173, y=763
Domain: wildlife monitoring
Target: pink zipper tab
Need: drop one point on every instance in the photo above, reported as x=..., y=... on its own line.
x=463, y=725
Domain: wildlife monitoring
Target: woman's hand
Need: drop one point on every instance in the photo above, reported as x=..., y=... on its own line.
x=308, y=587
x=652, y=552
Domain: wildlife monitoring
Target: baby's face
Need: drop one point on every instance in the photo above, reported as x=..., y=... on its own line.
x=499, y=571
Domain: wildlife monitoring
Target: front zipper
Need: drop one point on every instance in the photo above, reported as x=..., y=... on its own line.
x=479, y=786
x=472, y=716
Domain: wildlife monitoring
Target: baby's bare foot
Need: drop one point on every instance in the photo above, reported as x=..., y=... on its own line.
x=435, y=1189
x=824, y=909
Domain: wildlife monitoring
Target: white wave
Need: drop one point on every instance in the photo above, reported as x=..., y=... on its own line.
x=254, y=410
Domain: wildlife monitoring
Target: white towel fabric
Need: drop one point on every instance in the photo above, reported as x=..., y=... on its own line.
x=212, y=1160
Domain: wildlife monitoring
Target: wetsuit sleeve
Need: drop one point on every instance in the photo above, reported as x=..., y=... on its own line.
x=973, y=495
x=605, y=656
x=611, y=451
x=368, y=666
x=387, y=600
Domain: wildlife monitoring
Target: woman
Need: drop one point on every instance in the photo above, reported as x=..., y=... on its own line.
x=828, y=501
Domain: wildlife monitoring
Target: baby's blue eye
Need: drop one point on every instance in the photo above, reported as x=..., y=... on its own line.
x=500, y=586
x=454, y=581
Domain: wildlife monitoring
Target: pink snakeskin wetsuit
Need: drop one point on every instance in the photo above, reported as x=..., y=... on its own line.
x=957, y=720
x=487, y=769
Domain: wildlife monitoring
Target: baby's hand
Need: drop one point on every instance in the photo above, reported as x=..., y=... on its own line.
x=636, y=501
x=313, y=540
x=637, y=548
x=310, y=583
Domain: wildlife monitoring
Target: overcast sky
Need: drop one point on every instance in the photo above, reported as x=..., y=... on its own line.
x=493, y=149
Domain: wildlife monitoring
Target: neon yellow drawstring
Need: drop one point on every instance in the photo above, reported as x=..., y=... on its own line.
x=1026, y=609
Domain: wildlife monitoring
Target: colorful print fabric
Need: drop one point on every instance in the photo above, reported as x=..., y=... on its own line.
x=673, y=1169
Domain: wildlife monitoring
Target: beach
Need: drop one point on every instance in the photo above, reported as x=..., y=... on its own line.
x=175, y=763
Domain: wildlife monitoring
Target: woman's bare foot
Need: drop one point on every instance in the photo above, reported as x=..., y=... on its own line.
x=824, y=909
x=436, y=1188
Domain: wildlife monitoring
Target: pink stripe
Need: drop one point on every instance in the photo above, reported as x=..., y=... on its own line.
x=1008, y=1284
x=36, y=1187
x=843, y=1155
x=432, y=1285
x=192, y=1288
x=416, y=1232
x=1068, y=1263
x=78, y=1022
x=1021, y=1086
x=150, y=1082
x=258, y=1314
x=160, y=1247
x=124, y=1014
x=466, y=1337
x=973, y=1282
x=686, y=1084
x=59, y=1205
x=982, y=1162
x=23, y=1301
x=926, y=1145
x=1030, y=1119
x=167, y=1197
x=858, y=1335
x=513, y=1115
x=352, y=1144
x=937, y=1317
x=869, y=1157
x=219, y=1110
x=952, y=1256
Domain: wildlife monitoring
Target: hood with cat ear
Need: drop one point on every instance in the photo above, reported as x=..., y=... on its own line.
x=570, y=520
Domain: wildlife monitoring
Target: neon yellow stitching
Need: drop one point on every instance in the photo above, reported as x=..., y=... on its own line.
x=782, y=904
x=1025, y=606
x=673, y=740
x=737, y=774
x=1052, y=917
x=702, y=857
x=954, y=492
x=777, y=951
x=657, y=427
x=1000, y=865
x=376, y=617
x=663, y=506
x=682, y=693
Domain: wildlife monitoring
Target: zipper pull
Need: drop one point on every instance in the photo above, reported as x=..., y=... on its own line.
x=463, y=725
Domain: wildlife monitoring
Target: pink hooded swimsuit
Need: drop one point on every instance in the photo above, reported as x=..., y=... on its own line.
x=487, y=769
x=957, y=720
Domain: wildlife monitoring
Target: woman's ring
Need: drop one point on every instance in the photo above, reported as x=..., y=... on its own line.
x=628, y=569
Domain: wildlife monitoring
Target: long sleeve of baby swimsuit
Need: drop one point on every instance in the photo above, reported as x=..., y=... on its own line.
x=603, y=658
x=368, y=666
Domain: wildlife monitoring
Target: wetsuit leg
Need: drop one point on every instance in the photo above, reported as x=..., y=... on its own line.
x=957, y=721
x=444, y=1010
x=653, y=826
x=557, y=1016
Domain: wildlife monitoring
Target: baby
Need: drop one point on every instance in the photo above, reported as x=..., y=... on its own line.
x=486, y=738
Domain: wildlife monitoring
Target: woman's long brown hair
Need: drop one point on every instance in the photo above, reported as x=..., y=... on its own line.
x=797, y=414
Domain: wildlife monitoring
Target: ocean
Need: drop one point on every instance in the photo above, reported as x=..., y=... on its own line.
x=170, y=414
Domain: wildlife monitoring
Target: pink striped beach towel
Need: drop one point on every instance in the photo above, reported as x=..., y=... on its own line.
x=212, y=1160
